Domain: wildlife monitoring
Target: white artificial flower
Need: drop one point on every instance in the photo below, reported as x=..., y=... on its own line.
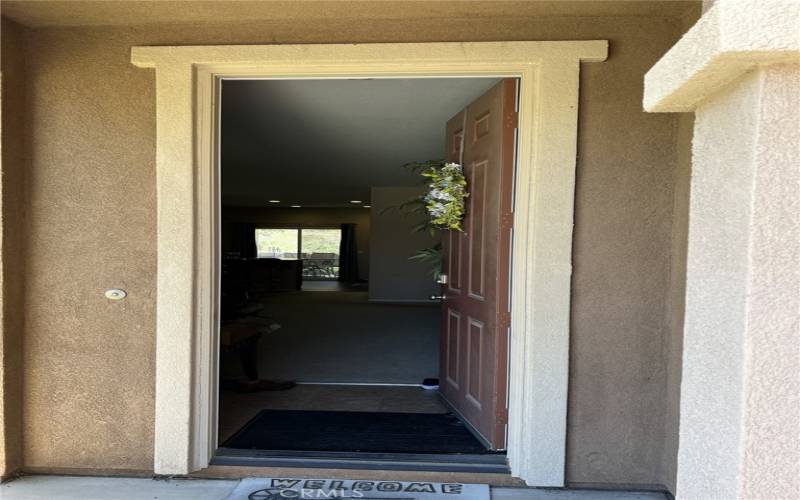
x=439, y=194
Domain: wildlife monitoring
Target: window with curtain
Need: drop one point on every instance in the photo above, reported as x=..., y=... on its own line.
x=318, y=247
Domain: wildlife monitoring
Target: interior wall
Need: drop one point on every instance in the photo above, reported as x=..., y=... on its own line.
x=11, y=251
x=268, y=216
x=88, y=389
x=394, y=278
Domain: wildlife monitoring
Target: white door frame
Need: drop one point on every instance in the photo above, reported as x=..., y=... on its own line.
x=187, y=86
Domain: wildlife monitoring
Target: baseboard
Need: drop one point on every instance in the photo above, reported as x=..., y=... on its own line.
x=632, y=487
x=10, y=476
x=75, y=471
x=403, y=301
x=376, y=384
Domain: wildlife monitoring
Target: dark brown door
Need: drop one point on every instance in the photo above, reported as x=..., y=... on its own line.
x=476, y=309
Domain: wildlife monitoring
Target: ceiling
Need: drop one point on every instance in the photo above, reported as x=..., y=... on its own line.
x=145, y=12
x=326, y=142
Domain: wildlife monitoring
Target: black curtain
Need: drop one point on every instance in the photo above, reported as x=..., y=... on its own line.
x=243, y=239
x=348, y=255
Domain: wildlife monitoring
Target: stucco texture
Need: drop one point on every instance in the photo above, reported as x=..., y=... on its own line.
x=772, y=361
x=89, y=367
x=11, y=261
x=740, y=417
x=739, y=69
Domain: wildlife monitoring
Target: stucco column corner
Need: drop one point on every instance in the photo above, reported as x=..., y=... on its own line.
x=738, y=69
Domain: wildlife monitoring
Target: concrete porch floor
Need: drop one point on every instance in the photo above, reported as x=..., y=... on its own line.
x=113, y=488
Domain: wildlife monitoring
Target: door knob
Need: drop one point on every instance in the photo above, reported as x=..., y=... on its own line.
x=437, y=297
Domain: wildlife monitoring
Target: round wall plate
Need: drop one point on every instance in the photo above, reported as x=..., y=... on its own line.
x=116, y=294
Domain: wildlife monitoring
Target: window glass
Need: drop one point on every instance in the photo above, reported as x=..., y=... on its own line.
x=321, y=253
x=319, y=249
x=277, y=243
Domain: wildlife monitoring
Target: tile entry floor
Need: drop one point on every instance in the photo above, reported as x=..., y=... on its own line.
x=235, y=410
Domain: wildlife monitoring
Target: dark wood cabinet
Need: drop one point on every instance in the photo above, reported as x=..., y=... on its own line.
x=262, y=275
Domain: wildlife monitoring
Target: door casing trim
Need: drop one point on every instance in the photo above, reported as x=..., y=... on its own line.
x=187, y=181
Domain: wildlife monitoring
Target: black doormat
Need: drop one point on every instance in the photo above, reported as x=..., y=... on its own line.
x=351, y=431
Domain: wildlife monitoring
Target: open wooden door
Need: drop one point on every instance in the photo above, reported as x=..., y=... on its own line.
x=474, y=352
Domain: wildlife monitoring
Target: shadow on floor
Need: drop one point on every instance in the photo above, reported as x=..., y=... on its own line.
x=341, y=337
x=236, y=409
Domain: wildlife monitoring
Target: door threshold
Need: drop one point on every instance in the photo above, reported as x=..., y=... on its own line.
x=445, y=462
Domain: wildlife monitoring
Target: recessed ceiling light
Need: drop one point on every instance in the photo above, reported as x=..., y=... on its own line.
x=367, y=206
x=274, y=201
x=295, y=206
x=356, y=201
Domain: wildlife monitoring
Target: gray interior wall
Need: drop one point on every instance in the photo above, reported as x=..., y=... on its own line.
x=12, y=247
x=393, y=277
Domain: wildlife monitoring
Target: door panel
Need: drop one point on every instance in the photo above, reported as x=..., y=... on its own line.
x=451, y=375
x=477, y=262
x=453, y=260
x=475, y=235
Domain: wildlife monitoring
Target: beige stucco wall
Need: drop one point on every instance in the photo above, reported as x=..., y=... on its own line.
x=89, y=363
x=12, y=250
x=738, y=69
x=772, y=361
x=627, y=321
x=676, y=301
x=772, y=393
x=740, y=422
x=88, y=389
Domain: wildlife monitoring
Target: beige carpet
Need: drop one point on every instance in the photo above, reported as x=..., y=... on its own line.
x=338, y=336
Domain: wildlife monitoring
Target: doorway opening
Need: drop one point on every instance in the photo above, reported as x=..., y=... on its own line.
x=336, y=344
